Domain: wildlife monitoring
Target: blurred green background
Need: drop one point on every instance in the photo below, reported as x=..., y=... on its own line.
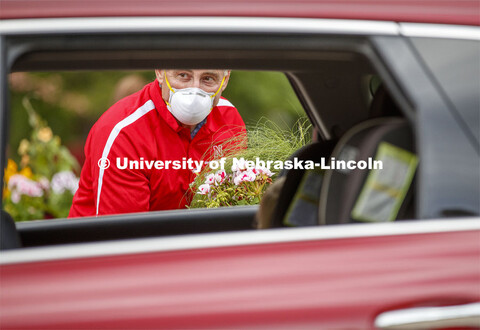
x=71, y=102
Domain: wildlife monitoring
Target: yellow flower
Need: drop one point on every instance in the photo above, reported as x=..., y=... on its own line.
x=45, y=134
x=10, y=170
x=26, y=172
x=6, y=193
x=23, y=147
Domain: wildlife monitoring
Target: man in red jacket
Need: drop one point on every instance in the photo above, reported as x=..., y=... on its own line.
x=142, y=152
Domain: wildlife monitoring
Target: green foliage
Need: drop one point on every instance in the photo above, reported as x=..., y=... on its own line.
x=31, y=208
x=264, y=94
x=45, y=185
x=70, y=102
x=58, y=205
x=43, y=153
x=269, y=141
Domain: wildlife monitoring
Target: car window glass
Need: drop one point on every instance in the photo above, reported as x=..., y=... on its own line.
x=456, y=67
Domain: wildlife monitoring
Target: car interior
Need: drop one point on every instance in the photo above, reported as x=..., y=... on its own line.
x=331, y=200
x=332, y=77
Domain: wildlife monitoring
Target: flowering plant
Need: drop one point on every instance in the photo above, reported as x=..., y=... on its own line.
x=240, y=184
x=240, y=187
x=46, y=183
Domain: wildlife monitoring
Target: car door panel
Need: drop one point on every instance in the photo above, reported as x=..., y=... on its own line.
x=339, y=283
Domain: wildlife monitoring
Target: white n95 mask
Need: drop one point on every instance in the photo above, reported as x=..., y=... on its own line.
x=190, y=105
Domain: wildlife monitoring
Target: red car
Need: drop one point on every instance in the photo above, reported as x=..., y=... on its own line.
x=353, y=267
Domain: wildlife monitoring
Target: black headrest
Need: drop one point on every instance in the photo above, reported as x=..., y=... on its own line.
x=383, y=104
x=375, y=195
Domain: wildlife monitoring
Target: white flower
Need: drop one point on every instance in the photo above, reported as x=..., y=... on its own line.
x=65, y=180
x=250, y=177
x=237, y=180
x=210, y=179
x=220, y=177
x=253, y=172
x=204, y=189
x=244, y=176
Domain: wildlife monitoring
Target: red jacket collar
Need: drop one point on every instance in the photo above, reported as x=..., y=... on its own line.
x=156, y=96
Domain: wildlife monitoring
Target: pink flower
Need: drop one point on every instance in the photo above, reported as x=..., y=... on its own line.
x=244, y=176
x=220, y=176
x=204, y=189
x=15, y=180
x=21, y=185
x=210, y=179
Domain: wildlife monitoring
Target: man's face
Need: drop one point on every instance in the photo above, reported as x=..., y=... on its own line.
x=207, y=80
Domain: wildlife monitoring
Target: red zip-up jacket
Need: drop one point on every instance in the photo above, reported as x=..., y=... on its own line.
x=140, y=127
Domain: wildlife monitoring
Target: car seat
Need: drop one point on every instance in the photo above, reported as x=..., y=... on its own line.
x=382, y=194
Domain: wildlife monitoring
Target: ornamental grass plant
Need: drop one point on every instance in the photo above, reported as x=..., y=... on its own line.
x=240, y=183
